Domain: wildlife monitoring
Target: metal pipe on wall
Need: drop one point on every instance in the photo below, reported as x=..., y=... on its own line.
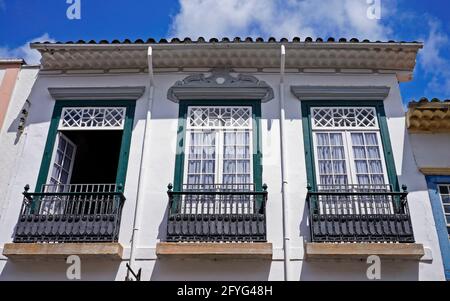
x=144, y=163
x=285, y=201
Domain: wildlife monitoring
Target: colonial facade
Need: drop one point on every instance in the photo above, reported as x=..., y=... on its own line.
x=218, y=160
x=428, y=125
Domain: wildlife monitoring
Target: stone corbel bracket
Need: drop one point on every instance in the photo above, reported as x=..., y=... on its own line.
x=220, y=85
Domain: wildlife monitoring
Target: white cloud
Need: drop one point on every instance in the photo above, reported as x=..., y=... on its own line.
x=25, y=52
x=279, y=18
x=433, y=62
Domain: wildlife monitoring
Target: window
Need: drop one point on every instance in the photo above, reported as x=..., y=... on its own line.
x=87, y=146
x=219, y=147
x=444, y=191
x=347, y=148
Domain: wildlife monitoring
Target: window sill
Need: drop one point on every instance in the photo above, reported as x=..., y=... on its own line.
x=215, y=251
x=361, y=251
x=37, y=251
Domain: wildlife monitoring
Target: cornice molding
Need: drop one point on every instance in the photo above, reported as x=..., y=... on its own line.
x=97, y=93
x=393, y=57
x=340, y=92
x=435, y=171
x=220, y=85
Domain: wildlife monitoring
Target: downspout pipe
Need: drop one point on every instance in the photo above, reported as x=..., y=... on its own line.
x=284, y=196
x=144, y=163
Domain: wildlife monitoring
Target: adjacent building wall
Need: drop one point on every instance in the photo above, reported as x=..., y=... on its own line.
x=11, y=141
x=163, y=129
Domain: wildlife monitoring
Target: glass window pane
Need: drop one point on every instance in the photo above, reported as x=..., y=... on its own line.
x=363, y=179
x=62, y=144
x=326, y=180
x=64, y=177
x=322, y=139
x=209, y=152
x=229, y=152
x=338, y=153
x=229, y=167
x=377, y=179
x=66, y=163
x=195, y=152
x=340, y=180
x=336, y=139
x=361, y=167
x=357, y=139
x=69, y=150
x=373, y=152
x=339, y=167
x=446, y=199
x=242, y=152
x=325, y=167
x=360, y=152
x=447, y=209
x=323, y=152
x=228, y=179
x=243, y=167
x=371, y=139
x=59, y=157
x=208, y=179
x=208, y=167
x=193, y=179
x=443, y=189
x=194, y=166
x=375, y=167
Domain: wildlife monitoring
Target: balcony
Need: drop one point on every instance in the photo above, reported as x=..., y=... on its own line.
x=217, y=219
x=69, y=218
x=371, y=219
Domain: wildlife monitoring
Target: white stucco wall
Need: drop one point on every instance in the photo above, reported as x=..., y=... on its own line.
x=163, y=128
x=11, y=145
x=431, y=150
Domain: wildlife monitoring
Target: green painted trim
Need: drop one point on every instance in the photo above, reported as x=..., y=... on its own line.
x=126, y=143
x=53, y=131
x=181, y=137
x=384, y=132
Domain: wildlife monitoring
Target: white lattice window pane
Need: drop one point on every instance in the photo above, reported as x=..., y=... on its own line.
x=219, y=117
x=343, y=117
x=83, y=118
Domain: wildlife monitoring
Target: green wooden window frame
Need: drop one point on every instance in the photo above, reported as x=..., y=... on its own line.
x=181, y=137
x=53, y=131
x=384, y=133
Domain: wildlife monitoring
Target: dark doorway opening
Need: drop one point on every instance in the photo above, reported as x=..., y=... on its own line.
x=97, y=156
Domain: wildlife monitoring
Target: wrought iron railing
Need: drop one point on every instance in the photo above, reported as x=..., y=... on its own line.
x=359, y=213
x=70, y=214
x=217, y=213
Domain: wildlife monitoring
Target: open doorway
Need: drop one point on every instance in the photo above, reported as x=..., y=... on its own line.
x=86, y=159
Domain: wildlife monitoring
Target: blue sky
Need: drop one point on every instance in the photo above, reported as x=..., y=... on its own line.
x=22, y=21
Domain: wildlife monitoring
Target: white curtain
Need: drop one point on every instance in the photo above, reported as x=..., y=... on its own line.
x=202, y=154
x=331, y=156
x=369, y=168
x=237, y=157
